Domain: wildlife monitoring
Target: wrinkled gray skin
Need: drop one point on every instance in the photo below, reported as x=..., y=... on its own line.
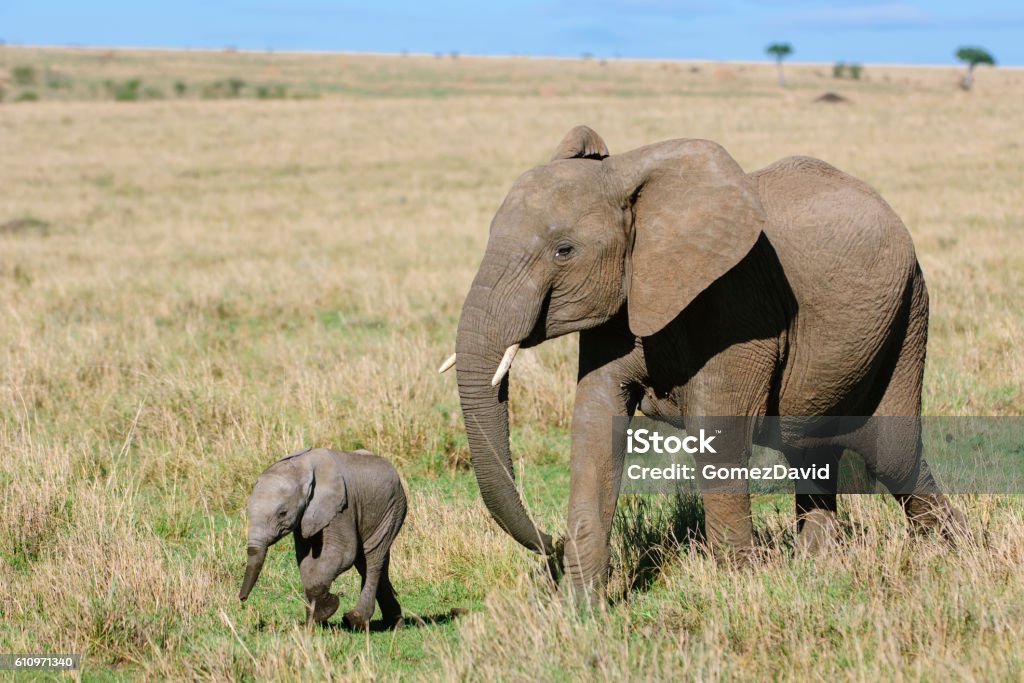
x=342, y=509
x=698, y=289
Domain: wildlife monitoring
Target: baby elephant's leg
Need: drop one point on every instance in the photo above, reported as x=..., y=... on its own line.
x=370, y=566
x=318, y=567
x=321, y=604
x=389, y=607
x=358, y=618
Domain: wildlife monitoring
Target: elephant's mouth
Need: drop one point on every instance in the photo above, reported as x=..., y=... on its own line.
x=539, y=332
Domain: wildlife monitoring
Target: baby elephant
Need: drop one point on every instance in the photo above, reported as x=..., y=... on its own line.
x=342, y=509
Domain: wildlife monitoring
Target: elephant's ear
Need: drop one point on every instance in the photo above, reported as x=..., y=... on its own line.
x=696, y=215
x=581, y=143
x=329, y=494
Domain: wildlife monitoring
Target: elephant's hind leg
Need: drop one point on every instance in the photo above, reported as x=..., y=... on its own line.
x=358, y=618
x=897, y=448
x=926, y=508
x=389, y=607
x=891, y=446
x=370, y=567
x=934, y=511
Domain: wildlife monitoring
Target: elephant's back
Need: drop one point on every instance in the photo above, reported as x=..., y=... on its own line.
x=849, y=261
x=379, y=495
x=821, y=217
x=377, y=471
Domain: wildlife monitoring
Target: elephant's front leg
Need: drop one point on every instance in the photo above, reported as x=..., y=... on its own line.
x=604, y=391
x=321, y=559
x=725, y=493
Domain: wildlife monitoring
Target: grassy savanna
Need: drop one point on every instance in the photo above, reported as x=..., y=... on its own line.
x=193, y=287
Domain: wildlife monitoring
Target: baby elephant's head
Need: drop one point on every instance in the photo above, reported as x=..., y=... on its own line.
x=303, y=491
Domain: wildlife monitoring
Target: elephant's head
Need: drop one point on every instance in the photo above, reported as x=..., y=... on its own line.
x=302, y=491
x=573, y=243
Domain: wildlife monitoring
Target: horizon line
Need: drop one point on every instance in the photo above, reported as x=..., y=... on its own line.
x=410, y=53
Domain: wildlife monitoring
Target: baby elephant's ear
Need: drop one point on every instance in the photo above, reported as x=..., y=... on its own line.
x=329, y=495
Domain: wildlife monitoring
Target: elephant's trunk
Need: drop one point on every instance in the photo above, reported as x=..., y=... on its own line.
x=493, y=320
x=253, y=566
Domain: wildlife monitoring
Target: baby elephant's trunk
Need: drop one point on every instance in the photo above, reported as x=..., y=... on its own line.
x=252, y=569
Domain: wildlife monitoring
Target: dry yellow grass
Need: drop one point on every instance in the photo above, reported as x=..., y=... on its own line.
x=192, y=287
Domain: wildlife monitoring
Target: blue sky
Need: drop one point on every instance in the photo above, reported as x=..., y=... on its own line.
x=847, y=30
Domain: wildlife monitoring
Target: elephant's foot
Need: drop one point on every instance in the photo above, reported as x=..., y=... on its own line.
x=735, y=557
x=954, y=526
x=729, y=528
x=394, y=621
x=587, y=593
x=356, y=621
x=933, y=512
x=817, y=531
x=322, y=608
x=587, y=596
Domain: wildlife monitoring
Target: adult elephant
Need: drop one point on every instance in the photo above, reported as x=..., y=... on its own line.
x=697, y=290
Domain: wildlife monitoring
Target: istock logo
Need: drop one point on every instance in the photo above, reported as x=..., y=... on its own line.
x=645, y=441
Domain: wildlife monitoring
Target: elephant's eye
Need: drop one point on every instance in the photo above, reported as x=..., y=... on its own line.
x=281, y=514
x=563, y=252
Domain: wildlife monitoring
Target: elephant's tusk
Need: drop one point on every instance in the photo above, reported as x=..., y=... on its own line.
x=447, y=365
x=506, y=363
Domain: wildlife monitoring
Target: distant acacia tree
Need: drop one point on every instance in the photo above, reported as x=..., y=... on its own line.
x=780, y=51
x=973, y=56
